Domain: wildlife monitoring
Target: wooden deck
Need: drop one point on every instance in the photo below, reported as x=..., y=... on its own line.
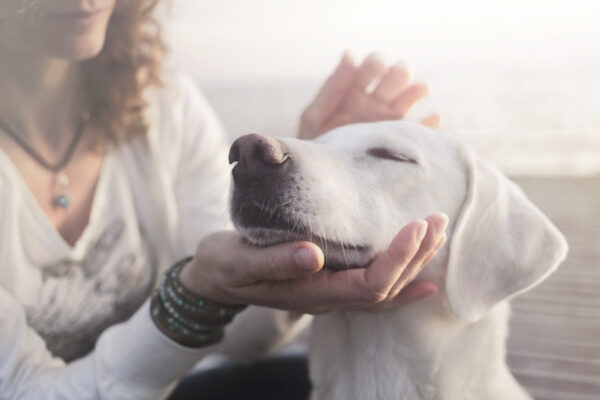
x=554, y=344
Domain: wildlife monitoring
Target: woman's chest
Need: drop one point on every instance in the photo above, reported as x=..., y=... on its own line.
x=72, y=293
x=76, y=298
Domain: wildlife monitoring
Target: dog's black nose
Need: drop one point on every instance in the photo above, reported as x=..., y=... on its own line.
x=257, y=155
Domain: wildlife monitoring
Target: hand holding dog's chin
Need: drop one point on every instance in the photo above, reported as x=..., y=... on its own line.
x=346, y=98
x=290, y=276
x=226, y=268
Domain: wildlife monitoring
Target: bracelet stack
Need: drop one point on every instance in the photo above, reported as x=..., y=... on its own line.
x=186, y=317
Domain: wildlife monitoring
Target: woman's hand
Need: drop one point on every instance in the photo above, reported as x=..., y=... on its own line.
x=344, y=98
x=290, y=276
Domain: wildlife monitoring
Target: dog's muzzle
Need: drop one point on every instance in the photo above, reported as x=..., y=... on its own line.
x=263, y=180
x=267, y=206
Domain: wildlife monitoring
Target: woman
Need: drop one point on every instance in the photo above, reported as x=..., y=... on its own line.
x=110, y=172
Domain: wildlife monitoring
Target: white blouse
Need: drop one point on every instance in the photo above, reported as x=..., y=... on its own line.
x=154, y=201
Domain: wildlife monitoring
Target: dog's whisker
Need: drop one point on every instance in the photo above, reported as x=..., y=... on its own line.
x=293, y=230
x=283, y=204
x=345, y=255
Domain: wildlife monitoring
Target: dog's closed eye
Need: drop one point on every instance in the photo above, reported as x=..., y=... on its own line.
x=386, y=154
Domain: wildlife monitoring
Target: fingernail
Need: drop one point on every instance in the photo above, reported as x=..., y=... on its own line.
x=305, y=258
x=375, y=56
x=444, y=223
x=441, y=242
x=421, y=230
x=346, y=59
x=427, y=87
x=401, y=66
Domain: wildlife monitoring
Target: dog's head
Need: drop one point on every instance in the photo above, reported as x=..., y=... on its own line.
x=352, y=189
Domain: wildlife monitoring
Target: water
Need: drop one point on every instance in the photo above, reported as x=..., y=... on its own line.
x=528, y=122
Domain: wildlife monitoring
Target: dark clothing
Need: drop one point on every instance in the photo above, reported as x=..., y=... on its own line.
x=281, y=378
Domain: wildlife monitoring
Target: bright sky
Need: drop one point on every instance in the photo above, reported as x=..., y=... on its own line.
x=240, y=39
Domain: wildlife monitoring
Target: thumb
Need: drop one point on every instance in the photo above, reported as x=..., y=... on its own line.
x=280, y=262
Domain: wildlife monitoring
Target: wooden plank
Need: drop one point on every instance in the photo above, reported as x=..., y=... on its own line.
x=554, y=341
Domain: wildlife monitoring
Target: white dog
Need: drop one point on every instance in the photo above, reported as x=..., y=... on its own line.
x=350, y=191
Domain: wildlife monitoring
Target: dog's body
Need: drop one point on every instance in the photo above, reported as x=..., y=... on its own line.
x=417, y=352
x=350, y=191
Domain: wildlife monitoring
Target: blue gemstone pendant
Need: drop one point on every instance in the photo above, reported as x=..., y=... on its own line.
x=63, y=200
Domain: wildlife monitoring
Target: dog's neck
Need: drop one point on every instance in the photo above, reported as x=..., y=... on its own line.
x=415, y=353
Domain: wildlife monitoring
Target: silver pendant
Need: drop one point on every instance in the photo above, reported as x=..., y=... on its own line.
x=63, y=200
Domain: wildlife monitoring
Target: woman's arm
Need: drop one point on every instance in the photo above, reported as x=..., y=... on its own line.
x=23, y=354
x=132, y=360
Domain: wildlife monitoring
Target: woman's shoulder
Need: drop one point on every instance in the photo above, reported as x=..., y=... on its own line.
x=181, y=119
x=180, y=101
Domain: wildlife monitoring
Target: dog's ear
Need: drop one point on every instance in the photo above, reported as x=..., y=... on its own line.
x=501, y=245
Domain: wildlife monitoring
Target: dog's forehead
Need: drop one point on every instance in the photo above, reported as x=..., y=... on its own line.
x=363, y=136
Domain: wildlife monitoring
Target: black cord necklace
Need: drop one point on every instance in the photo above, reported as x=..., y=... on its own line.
x=63, y=199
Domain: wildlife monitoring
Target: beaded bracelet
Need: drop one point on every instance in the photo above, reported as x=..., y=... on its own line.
x=187, y=318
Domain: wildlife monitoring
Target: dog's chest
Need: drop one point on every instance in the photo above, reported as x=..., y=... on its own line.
x=413, y=353
x=364, y=356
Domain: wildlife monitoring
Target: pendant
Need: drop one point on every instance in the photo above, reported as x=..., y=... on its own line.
x=63, y=200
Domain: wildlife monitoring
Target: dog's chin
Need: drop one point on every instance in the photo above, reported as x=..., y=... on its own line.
x=338, y=256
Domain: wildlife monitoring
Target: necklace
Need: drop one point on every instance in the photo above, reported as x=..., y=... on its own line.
x=63, y=199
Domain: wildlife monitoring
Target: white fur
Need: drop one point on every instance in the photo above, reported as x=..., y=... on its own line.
x=450, y=346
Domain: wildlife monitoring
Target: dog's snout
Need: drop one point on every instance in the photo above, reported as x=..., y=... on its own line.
x=257, y=155
x=263, y=175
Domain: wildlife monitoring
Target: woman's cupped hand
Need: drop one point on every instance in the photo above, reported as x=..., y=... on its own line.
x=291, y=276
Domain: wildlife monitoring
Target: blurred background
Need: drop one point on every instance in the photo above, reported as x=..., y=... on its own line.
x=519, y=80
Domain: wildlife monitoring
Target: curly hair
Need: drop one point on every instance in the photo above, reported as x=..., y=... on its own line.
x=129, y=62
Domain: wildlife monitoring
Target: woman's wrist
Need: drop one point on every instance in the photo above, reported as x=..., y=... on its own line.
x=186, y=317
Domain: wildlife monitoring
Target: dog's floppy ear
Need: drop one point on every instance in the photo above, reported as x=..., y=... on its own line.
x=501, y=244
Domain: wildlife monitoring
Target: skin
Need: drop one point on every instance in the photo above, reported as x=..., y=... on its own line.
x=41, y=51
x=40, y=54
x=346, y=96
x=274, y=277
